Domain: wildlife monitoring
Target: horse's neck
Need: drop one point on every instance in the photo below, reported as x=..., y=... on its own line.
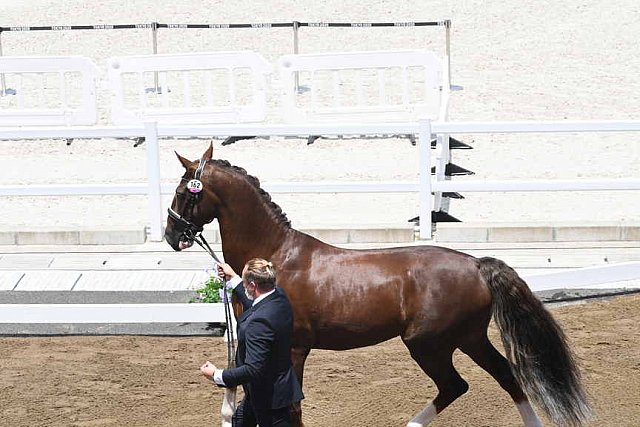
x=250, y=230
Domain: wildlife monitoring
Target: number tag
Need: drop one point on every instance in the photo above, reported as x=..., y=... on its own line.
x=194, y=186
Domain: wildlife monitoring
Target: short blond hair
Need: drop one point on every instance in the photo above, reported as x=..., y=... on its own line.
x=261, y=272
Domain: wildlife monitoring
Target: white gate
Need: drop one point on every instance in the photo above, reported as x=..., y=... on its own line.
x=49, y=91
x=216, y=87
x=364, y=86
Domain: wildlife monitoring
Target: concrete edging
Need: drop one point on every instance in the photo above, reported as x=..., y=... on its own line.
x=337, y=234
x=393, y=233
x=497, y=233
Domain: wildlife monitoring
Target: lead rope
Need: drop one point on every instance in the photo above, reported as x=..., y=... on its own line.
x=229, y=400
x=231, y=341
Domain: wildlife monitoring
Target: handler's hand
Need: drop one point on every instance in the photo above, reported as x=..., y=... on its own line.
x=226, y=272
x=208, y=369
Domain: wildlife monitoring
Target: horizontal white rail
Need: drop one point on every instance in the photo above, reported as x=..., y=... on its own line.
x=536, y=126
x=584, y=277
x=112, y=313
x=304, y=129
x=538, y=185
x=342, y=187
x=73, y=189
x=22, y=133
x=338, y=187
x=76, y=132
x=143, y=188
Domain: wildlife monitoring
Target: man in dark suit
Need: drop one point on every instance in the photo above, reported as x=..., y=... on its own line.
x=263, y=359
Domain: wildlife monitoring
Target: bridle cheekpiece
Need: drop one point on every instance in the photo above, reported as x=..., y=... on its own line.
x=188, y=230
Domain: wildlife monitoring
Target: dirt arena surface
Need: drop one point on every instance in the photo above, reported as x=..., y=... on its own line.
x=144, y=381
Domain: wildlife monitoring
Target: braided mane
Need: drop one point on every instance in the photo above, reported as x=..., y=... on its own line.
x=280, y=216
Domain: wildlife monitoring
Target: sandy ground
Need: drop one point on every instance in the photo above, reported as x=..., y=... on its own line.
x=144, y=381
x=545, y=61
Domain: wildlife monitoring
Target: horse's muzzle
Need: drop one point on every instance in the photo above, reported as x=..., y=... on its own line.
x=185, y=244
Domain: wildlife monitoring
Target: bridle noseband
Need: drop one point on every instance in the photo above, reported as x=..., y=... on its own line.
x=190, y=231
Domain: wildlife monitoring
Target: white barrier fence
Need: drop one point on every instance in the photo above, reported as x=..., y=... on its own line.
x=231, y=88
x=73, y=78
x=364, y=86
x=583, y=278
x=295, y=25
x=418, y=78
x=200, y=74
x=424, y=129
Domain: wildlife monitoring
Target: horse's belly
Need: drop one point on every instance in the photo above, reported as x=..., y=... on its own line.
x=343, y=336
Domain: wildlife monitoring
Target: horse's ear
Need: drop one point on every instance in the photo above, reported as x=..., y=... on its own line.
x=207, y=154
x=184, y=161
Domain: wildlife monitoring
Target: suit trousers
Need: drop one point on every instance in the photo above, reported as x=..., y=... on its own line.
x=245, y=416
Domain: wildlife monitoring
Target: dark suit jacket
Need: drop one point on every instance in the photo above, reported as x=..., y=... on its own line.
x=263, y=359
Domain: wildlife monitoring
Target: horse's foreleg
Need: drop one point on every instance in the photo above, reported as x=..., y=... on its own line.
x=298, y=357
x=436, y=361
x=488, y=358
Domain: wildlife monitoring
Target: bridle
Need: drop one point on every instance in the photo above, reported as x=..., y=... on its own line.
x=193, y=232
x=190, y=231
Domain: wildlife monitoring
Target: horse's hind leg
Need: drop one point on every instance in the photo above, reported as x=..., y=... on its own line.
x=488, y=358
x=298, y=358
x=435, y=359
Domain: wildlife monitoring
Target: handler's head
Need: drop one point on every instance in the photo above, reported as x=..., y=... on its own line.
x=260, y=273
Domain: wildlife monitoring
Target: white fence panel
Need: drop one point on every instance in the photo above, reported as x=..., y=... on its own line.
x=587, y=277
x=49, y=91
x=583, y=278
x=216, y=87
x=111, y=313
x=364, y=86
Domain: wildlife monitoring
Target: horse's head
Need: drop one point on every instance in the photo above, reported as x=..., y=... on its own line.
x=193, y=205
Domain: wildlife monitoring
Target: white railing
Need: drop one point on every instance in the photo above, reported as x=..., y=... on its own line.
x=229, y=88
x=73, y=78
x=211, y=87
x=111, y=313
x=363, y=86
x=424, y=129
x=582, y=278
x=431, y=100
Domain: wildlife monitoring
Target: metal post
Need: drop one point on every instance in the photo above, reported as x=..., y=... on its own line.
x=153, y=176
x=426, y=198
x=447, y=26
x=154, y=33
x=3, y=83
x=296, y=25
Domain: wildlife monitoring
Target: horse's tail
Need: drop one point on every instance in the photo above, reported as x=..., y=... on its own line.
x=536, y=347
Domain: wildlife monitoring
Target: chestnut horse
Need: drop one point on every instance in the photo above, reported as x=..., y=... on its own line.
x=436, y=299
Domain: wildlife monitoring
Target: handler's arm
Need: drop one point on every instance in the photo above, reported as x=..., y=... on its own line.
x=260, y=338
